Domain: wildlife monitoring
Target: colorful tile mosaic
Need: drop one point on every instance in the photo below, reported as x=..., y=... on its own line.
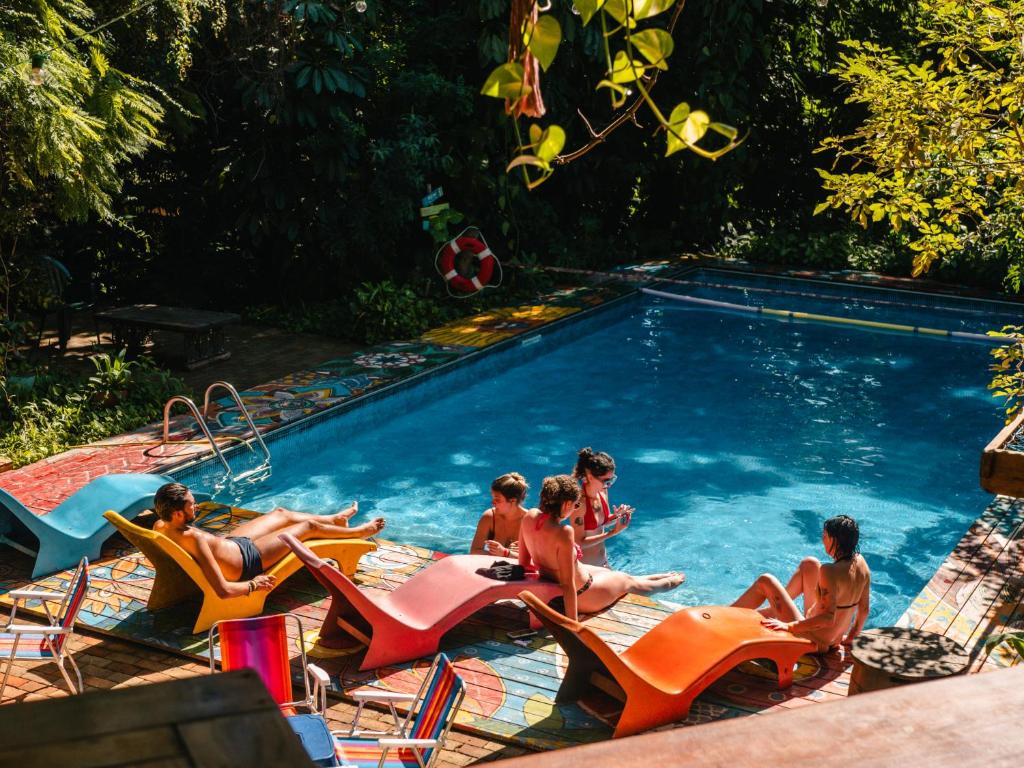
x=511, y=685
x=497, y=325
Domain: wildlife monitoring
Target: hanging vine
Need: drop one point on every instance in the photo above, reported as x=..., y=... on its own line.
x=636, y=51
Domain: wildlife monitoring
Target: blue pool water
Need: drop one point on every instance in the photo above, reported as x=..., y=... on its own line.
x=735, y=437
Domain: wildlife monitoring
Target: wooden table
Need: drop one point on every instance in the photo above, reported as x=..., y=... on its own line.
x=891, y=656
x=212, y=721
x=202, y=331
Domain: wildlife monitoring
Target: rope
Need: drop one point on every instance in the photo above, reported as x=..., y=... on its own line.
x=810, y=317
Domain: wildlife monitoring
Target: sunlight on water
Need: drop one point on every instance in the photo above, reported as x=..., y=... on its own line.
x=735, y=438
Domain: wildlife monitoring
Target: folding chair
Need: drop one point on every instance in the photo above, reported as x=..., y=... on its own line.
x=261, y=643
x=418, y=737
x=54, y=639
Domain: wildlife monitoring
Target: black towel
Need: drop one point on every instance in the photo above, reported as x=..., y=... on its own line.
x=502, y=570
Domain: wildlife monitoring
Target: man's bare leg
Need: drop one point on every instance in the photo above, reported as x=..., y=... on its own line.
x=272, y=549
x=277, y=520
x=780, y=604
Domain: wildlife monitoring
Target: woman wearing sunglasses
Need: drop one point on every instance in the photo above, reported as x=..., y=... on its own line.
x=595, y=472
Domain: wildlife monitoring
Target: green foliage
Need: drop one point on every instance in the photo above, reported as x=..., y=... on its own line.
x=800, y=246
x=384, y=311
x=113, y=376
x=517, y=81
x=59, y=412
x=1008, y=371
x=940, y=151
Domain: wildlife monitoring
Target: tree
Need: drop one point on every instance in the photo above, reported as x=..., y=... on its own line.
x=940, y=153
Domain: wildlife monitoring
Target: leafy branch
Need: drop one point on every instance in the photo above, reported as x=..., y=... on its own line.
x=636, y=65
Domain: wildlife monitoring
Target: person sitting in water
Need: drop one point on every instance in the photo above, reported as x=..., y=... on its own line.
x=547, y=544
x=497, y=532
x=234, y=564
x=837, y=595
x=595, y=472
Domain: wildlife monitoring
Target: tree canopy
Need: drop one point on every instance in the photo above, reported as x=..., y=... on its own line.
x=941, y=150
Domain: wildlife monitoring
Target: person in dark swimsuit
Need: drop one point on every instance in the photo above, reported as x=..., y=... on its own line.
x=548, y=546
x=837, y=595
x=595, y=472
x=497, y=532
x=234, y=564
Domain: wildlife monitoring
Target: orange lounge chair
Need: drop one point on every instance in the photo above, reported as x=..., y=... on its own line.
x=408, y=622
x=660, y=675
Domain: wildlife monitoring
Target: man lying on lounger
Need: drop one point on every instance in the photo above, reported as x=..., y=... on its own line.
x=234, y=564
x=837, y=595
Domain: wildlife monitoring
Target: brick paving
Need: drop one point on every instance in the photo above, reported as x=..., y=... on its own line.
x=106, y=663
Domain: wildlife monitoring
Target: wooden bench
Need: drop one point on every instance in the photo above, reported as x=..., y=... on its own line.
x=202, y=331
x=226, y=719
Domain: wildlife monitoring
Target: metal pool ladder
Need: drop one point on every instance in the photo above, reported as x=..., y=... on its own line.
x=258, y=473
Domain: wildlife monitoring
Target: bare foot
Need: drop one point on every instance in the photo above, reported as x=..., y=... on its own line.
x=370, y=528
x=341, y=518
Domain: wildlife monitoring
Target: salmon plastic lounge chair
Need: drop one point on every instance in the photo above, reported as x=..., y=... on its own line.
x=408, y=622
x=660, y=675
x=179, y=577
x=75, y=528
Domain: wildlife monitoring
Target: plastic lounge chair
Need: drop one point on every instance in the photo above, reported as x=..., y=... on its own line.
x=179, y=577
x=417, y=738
x=408, y=622
x=50, y=641
x=660, y=675
x=75, y=528
x=262, y=644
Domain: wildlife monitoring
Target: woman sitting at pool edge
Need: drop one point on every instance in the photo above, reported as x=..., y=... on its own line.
x=497, y=532
x=547, y=544
x=595, y=472
x=837, y=595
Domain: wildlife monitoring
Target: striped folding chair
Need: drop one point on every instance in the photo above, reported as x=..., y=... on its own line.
x=51, y=641
x=418, y=737
x=261, y=643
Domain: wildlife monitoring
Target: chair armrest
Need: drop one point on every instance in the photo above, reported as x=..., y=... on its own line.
x=407, y=742
x=318, y=674
x=369, y=694
x=29, y=594
x=35, y=629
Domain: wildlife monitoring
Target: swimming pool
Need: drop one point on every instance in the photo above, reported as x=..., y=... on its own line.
x=735, y=436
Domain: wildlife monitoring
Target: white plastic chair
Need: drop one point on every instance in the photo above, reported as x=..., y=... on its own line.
x=53, y=638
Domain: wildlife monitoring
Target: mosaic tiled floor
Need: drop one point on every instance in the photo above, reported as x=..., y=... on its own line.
x=511, y=685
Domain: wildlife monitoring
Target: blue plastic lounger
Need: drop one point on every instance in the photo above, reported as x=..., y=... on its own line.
x=76, y=528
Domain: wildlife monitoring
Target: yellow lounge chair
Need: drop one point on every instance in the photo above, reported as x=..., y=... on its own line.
x=179, y=577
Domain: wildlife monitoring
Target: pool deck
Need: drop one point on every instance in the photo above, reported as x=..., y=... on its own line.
x=975, y=594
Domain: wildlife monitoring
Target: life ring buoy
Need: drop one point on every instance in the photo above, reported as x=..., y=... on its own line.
x=446, y=263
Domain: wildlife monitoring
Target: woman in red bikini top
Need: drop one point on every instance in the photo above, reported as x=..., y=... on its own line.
x=595, y=472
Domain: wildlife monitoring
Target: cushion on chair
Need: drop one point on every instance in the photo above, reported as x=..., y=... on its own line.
x=316, y=738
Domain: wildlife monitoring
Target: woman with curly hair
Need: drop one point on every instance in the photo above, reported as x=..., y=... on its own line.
x=595, y=472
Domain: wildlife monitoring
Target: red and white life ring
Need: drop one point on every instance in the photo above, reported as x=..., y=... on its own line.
x=446, y=263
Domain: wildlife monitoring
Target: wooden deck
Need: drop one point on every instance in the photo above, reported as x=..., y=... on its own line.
x=976, y=594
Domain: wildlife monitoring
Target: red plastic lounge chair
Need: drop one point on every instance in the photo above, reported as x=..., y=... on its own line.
x=660, y=675
x=417, y=739
x=408, y=622
x=51, y=640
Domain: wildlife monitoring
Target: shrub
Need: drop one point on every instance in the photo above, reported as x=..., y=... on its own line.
x=384, y=311
x=57, y=412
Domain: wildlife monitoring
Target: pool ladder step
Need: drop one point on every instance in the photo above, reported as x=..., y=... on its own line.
x=258, y=473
